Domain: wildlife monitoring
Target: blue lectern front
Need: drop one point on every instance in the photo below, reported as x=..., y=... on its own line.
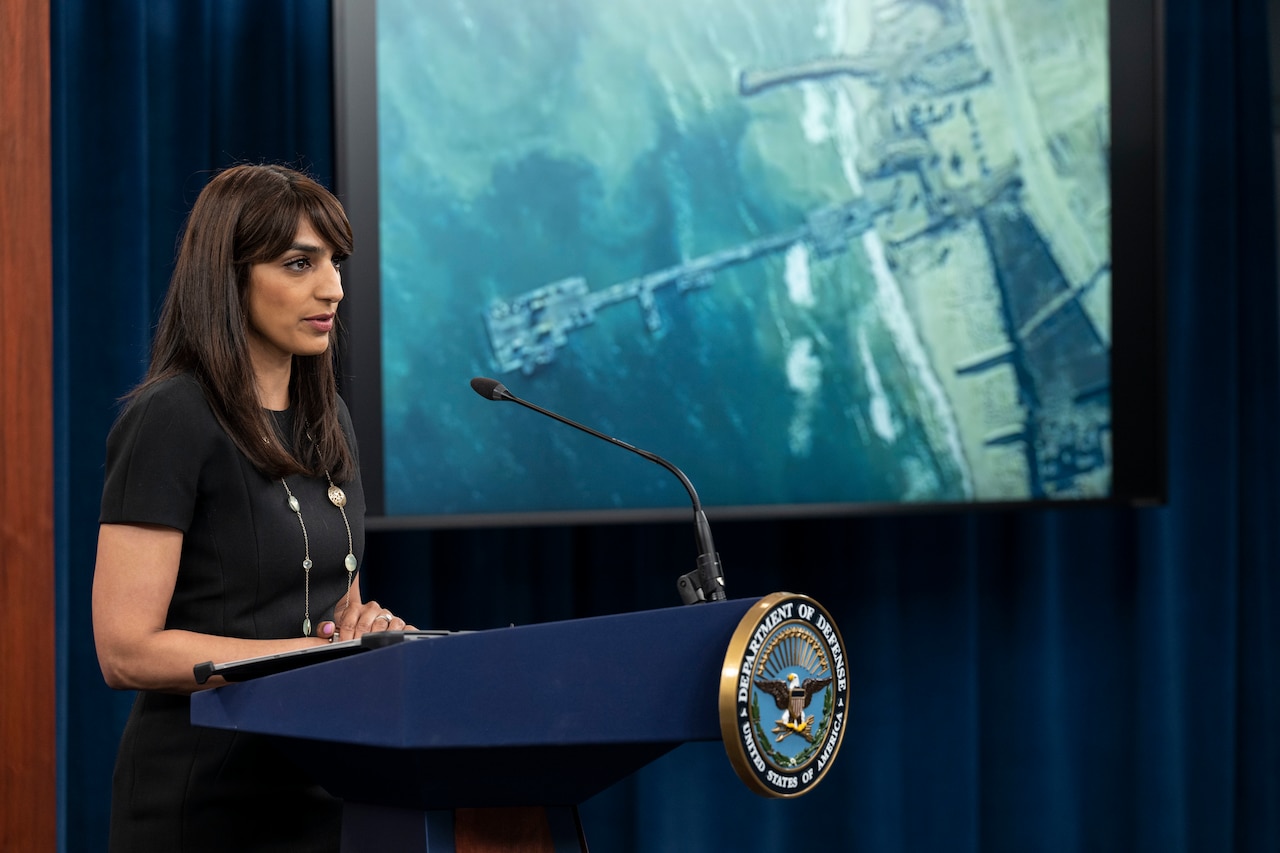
x=490, y=740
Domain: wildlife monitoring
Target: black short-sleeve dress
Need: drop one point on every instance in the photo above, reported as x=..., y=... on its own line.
x=178, y=787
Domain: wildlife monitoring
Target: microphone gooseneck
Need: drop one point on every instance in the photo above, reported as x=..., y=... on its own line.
x=706, y=581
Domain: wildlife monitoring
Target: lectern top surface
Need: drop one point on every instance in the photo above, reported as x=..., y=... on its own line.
x=243, y=670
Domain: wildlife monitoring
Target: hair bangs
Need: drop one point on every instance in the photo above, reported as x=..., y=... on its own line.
x=273, y=209
x=330, y=222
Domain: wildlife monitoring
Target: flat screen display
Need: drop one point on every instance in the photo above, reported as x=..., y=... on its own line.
x=822, y=255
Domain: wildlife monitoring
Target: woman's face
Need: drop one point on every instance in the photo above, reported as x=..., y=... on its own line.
x=293, y=301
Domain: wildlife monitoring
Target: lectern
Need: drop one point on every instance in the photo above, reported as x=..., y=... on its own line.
x=443, y=743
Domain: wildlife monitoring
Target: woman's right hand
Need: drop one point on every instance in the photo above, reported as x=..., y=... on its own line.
x=357, y=618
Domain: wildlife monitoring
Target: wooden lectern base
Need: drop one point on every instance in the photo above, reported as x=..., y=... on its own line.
x=367, y=828
x=529, y=830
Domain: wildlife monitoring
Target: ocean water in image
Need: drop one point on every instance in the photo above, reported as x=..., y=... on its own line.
x=753, y=238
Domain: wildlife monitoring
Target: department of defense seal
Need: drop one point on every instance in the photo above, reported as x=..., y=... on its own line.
x=784, y=695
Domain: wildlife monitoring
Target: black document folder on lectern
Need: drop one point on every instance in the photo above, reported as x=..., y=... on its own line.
x=243, y=670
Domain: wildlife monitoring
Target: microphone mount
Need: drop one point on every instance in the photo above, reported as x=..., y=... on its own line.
x=706, y=581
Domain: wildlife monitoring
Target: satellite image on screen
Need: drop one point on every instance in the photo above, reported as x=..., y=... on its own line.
x=814, y=252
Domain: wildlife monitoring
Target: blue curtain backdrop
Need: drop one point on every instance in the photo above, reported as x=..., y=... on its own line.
x=1057, y=680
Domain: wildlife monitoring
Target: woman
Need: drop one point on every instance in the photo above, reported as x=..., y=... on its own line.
x=232, y=515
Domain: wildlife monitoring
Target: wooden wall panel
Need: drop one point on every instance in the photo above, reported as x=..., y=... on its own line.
x=28, y=761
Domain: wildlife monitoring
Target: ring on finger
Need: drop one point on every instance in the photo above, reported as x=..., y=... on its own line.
x=386, y=616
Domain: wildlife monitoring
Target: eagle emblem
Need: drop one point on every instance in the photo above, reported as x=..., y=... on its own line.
x=792, y=697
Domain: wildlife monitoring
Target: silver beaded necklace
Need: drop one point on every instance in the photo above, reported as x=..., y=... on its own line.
x=338, y=498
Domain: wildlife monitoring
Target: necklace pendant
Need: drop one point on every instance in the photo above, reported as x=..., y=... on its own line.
x=306, y=627
x=337, y=497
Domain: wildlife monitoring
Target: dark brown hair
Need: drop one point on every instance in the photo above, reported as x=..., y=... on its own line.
x=246, y=215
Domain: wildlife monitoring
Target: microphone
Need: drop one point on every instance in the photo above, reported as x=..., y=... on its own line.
x=706, y=581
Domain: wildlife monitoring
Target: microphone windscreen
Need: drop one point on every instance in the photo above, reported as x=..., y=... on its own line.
x=490, y=389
